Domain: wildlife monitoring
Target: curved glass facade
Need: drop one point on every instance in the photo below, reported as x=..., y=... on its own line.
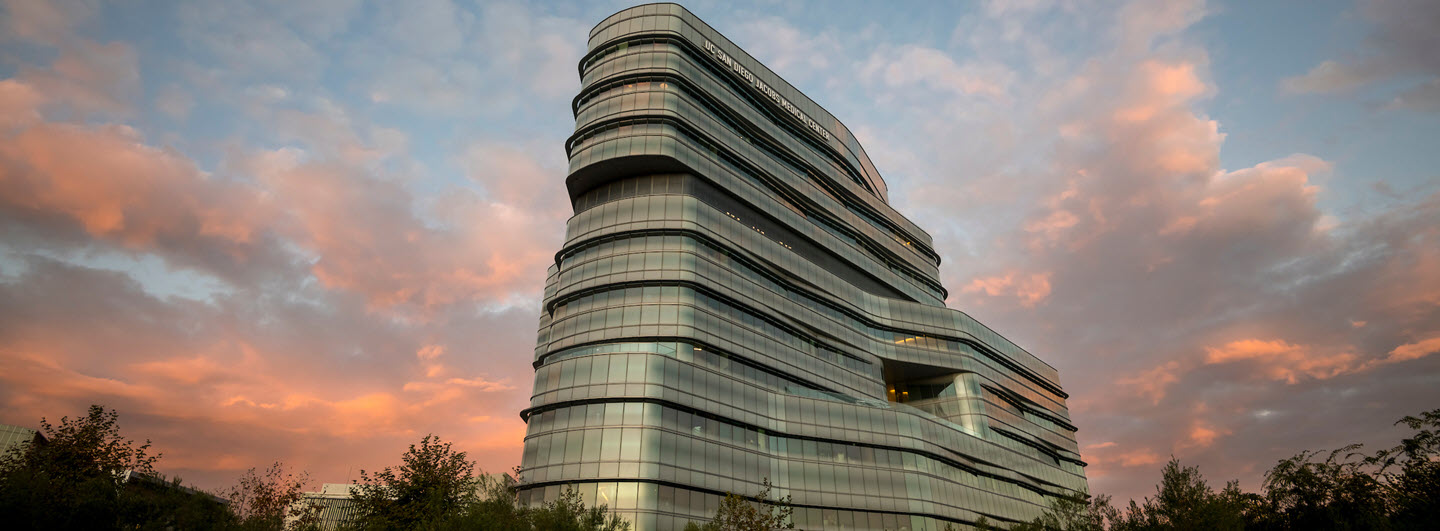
x=736, y=302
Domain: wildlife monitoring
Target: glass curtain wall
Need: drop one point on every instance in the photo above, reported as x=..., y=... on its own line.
x=736, y=303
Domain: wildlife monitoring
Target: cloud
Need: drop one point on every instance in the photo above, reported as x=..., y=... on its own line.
x=1330, y=76
x=48, y=22
x=174, y=102
x=1152, y=383
x=1423, y=97
x=19, y=104
x=357, y=227
x=1169, y=280
x=366, y=299
x=367, y=238
x=1141, y=23
x=916, y=66
x=1413, y=351
x=1202, y=434
x=149, y=200
x=1283, y=361
x=1030, y=289
x=262, y=41
x=89, y=77
x=1138, y=458
x=1398, y=51
x=325, y=387
x=443, y=57
x=430, y=352
x=378, y=225
x=786, y=49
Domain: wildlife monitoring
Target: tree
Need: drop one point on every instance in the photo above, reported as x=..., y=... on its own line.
x=85, y=475
x=495, y=508
x=737, y=513
x=1396, y=488
x=155, y=502
x=83, y=449
x=435, y=487
x=434, y=483
x=1068, y=513
x=74, y=478
x=272, y=500
x=1411, y=473
x=568, y=513
x=1336, y=493
x=1183, y=500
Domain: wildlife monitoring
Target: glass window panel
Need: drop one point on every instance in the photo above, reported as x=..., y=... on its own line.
x=630, y=445
x=636, y=373
x=582, y=371
x=605, y=494
x=574, y=444
x=592, y=443
x=666, y=498
x=600, y=367
x=594, y=414
x=610, y=444
x=617, y=369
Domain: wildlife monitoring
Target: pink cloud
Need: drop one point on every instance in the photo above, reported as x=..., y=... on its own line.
x=1414, y=351
x=1202, y=433
x=350, y=324
x=362, y=311
x=1279, y=360
x=1152, y=383
x=1203, y=436
x=361, y=228
x=215, y=402
x=1029, y=289
x=1170, y=279
x=430, y=352
x=1138, y=458
x=19, y=103
x=147, y=194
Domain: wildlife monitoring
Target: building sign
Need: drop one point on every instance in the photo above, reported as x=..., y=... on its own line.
x=745, y=74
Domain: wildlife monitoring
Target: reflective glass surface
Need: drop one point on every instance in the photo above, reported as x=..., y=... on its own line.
x=736, y=302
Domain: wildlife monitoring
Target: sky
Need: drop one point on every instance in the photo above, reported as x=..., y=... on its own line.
x=314, y=232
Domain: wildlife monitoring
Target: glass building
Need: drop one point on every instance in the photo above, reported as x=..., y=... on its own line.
x=13, y=437
x=737, y=302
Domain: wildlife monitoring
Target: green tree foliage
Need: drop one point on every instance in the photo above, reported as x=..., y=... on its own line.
x=1067, y=514
x=432, y=483
x=1396, y=488
x=495, y=508
x=1410, y=473
x=737, y=513
x=1183, y=501
x=1337, y=493
x=271, y=500
x=568, y=513
x=87, y=476
x=153, y=502
x=436, y=488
